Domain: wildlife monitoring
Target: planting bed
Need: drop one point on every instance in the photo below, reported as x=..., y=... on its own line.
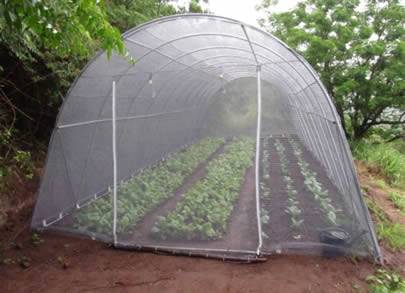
x=144, y=192
x=214, y=209
x=303, y=201
x=203, y=198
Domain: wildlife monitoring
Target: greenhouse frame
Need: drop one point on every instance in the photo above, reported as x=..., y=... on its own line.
x=218, y=141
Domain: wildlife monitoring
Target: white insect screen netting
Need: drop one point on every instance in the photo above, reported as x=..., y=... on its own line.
x=190, y=178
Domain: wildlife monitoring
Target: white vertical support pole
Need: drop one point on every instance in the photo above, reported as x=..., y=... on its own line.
x=114, y=149
x=257, y=162
x=259, y=126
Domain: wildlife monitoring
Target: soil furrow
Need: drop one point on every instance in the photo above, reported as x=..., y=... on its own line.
x=277, y=229
x=311, y=212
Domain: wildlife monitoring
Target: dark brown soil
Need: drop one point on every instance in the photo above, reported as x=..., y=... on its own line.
x=16, y=204
x=64, y=264
x=242, y=232
x=278, y=228
x=311, y=213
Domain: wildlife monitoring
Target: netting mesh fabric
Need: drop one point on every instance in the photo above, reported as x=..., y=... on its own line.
x=226, y=144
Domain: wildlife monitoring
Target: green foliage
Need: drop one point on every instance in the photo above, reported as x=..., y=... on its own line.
x=63, y=27
x=36, y=239
x=24, y=162
x=206, y=207
x=12, y=159
x=144, y=192
x=390, y=161
x=398, y=200
x=125, y=14
x=358, y=48
x=43, y=46
x=399, y=145
x=386, y=282
x=392, y=233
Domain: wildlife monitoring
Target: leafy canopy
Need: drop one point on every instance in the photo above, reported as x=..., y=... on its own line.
x=63, y=26
x=43, y=46
x=358, y=48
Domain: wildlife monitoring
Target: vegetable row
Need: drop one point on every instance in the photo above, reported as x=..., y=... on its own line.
x=292, y=209
x=319, y=192
x=145, y=191
x=205, y=210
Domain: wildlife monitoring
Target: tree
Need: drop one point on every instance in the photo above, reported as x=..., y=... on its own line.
x=43, y=46
x=358, y=48
x=62, y=26
x=125, y=14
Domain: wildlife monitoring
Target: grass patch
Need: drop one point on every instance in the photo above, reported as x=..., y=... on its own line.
x=386, y=157
x=398, y=200
x=386, y=281
x=381, y=184
x=392, y=233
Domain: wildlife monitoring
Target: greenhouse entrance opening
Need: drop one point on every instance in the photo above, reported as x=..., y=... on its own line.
x=219, y=141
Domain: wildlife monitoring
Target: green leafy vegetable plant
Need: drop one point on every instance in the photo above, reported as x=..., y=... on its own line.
x=292, y=209
x=204, y=212
x=320, y=194
x=145, y=191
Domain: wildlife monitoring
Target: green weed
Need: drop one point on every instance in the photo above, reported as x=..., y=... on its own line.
x=398, y=200
x=381, y=184
x=386, y=282
x=392, y=233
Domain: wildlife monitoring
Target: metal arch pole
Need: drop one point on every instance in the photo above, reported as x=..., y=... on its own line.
x=257, y=162
x=315, y=82
x=214, y=34
x=258, y=134
x=208, y=48
x=114, y=150
x=346, y=148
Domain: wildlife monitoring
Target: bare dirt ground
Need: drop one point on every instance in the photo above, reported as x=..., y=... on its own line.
x=67, y=264
x=92, y=267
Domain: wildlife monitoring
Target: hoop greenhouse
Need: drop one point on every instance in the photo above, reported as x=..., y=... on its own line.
x=219, y=141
